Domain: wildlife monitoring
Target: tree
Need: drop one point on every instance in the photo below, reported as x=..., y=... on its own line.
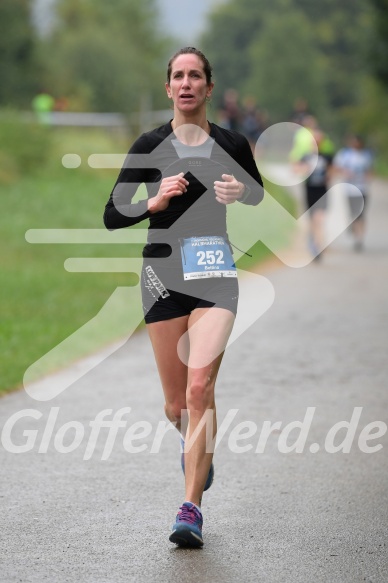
x=333, y=41
x=341, y=31
x=285, y=66
x=370, y=116
x=18, y=64
x=232, y=28
x=379, y=49
x=106, y=57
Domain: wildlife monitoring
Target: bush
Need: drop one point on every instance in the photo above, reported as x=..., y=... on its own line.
x=25, y=146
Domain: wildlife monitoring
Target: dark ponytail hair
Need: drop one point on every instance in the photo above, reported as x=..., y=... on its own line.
x=191, y=51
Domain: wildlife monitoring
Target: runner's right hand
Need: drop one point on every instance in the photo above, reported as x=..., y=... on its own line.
x=169, y=187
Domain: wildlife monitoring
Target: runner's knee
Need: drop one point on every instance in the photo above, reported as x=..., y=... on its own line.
x=200, y=394
x=174, y=411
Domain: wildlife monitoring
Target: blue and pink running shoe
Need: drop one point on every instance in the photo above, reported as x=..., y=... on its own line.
x=210, y=476
x=187, y=530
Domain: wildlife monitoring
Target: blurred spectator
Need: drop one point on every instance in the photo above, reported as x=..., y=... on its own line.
x=253, y=121
x=61, y=104
x=300, y=111
x=230, y=110
x=223, y=119
x=318, y=168
x=354, y=163
x=303, y=144
x=43, y=104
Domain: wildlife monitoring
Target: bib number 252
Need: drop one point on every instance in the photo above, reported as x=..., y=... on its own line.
x=207, y=256
x=210, y=257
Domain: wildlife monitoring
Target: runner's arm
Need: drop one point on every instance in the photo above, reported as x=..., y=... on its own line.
x=120, y=211
x=253, y=192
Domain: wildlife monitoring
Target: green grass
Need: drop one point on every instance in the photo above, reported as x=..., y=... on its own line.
x=381, y=166
x=42, y=303
x=245, y=221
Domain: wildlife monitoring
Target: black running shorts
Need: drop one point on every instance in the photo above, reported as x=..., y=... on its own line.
x=165, y=295
x=315, y=196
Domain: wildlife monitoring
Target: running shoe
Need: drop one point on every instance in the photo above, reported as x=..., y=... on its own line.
x=210, y=476
x=187, y=530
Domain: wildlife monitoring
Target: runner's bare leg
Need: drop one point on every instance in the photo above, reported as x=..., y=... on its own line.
x=208, y=330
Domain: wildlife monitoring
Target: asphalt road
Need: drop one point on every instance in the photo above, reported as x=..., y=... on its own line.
x=274, y=516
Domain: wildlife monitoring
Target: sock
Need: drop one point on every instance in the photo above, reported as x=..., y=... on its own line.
x=197, y=507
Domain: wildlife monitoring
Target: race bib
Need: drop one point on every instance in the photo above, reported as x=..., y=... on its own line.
x=206, y=257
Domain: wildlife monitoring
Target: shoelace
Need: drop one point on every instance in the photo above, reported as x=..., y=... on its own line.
x=189, y=514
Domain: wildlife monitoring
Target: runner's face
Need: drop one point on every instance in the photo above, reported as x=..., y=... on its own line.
x=188, y=87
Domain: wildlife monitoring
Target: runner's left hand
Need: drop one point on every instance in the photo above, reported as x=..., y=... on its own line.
x=229, y=190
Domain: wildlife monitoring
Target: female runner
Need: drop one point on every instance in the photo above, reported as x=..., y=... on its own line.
x=192, y=169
